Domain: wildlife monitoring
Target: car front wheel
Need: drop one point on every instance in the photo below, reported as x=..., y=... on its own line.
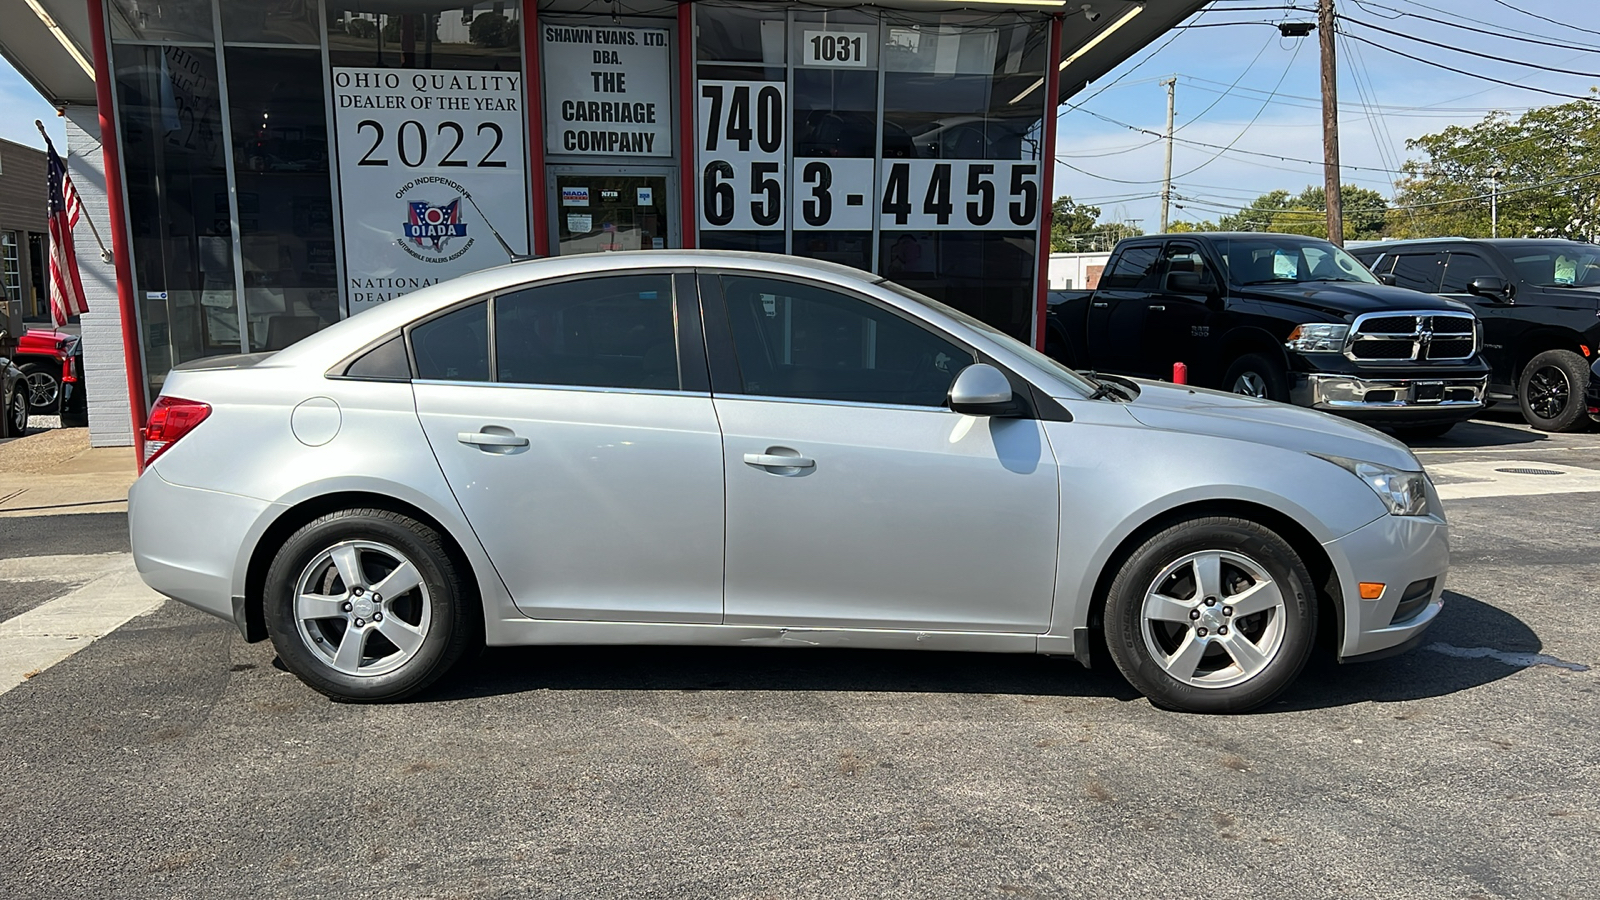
x=367, y=605
x=1551, y=391
x=1211, y=615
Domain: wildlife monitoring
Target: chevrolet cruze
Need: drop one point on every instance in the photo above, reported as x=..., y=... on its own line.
x=680, y=447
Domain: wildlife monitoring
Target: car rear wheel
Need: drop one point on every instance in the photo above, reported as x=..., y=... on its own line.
x=16, y=412
x=44, y=388
x=1551, y=391
x=1255, y=375
x=1212, y=615
x=367, y=605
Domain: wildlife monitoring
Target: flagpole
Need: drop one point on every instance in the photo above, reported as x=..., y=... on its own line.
x=104, y=253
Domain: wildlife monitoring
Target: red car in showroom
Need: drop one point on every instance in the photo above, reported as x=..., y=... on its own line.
x=52, y=362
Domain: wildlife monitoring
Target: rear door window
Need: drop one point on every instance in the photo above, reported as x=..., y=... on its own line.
x=1418, y=271
x=610, y=332
x=454, y=346
x=1135, y=269
x=1462, y=269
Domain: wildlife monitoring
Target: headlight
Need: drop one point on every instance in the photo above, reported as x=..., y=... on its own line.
x=1405, y=493
x=1317, y=337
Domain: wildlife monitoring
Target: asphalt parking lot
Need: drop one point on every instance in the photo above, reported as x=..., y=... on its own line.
x=170, y=759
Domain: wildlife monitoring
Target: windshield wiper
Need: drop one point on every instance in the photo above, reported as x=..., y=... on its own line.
x=1105, y=388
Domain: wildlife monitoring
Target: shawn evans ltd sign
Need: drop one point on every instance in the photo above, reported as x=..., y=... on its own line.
x=423, y=157
x=607, y=91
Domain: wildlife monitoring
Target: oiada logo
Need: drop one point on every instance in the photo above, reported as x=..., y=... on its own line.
x=431, y=228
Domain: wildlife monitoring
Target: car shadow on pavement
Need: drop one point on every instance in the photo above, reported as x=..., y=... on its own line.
x=1479, y=433
x=1418, y=674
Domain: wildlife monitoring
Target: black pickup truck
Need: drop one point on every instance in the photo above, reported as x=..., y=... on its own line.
x=1284, y=317
x=1538, y=300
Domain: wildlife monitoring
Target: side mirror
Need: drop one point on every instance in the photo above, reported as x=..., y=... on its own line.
x=1190, y=283
x=982, y=390
x=1491, y=287
x=1388, y=278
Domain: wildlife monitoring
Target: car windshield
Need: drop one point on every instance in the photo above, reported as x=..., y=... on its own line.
x=1567, y=265
x=1279, y=259
x=1015, y=346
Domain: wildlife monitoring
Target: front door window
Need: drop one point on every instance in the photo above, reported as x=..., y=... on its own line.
x=599, y=213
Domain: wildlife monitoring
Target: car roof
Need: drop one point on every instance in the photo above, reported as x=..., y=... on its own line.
x=360, y=329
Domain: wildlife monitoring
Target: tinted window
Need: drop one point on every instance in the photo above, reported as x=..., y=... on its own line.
x=1462, y=269
x=799, y=340
x=614, y=332
x=1417, y=271
x=455, y=346
x=1130, y=268
x=387, y=360
x=1184, y=259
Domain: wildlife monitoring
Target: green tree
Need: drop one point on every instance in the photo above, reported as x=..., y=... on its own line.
x=1307, y=213
x=1544, y=166
x=1078, y=229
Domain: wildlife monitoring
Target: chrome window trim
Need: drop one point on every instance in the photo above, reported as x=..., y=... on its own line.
x=859, y=404
x=573, y=388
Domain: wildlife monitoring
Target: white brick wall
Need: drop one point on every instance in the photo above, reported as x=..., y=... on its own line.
x=104, y=364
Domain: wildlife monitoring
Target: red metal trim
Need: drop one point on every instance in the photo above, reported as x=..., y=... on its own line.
x=534, y=98
x=1047, y=178
x=103, y=75
x=688, y=108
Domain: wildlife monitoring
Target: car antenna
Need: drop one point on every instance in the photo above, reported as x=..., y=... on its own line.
x=515, y=256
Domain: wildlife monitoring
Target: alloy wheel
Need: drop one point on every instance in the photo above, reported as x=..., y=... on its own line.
x=362, y=607
x=1213, y=619
x=43, y=389
x=1548, y=392
x=1251, y=384
x=19, y=414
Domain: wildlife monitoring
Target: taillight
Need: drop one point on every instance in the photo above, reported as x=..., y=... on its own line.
x=171, y=419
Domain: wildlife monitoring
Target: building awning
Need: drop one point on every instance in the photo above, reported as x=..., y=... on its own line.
x=48, y=40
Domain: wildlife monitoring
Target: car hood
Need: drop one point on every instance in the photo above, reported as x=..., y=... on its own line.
x=1232, y=416
x=1342, y=298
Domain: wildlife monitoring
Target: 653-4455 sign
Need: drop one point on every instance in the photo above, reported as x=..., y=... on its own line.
x=747, y=183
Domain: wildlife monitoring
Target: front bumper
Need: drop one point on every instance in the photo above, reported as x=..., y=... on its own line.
x=1391, y=399
x=1399, y=552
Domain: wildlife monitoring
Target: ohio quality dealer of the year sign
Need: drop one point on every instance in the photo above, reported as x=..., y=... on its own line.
x=607, y=91
x=424, y=157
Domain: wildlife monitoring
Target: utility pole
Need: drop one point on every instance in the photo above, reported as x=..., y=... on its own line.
x=1166, y=181
x=1494, y=200
x=1330, y=124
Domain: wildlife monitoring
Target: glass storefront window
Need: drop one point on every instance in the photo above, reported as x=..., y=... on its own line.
x=429, y=35
x=160, y=20
x=618, y=212
x=10, y=267
x=174, y=166
x=986, y=274
x=280, y=164
x=270, y=21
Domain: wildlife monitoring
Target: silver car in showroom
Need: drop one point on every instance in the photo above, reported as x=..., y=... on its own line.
x=680, y=447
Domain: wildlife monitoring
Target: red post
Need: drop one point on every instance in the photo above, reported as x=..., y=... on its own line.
x=1180, y=373
x=534, y=98
x=688, y=109
x=1047, y=177
x=119, y=228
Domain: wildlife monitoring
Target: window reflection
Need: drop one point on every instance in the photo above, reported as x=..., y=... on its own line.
x=270, y=21
x=160, y=20
x=431, y=35
x=177, y=185
x=986, y=274
x=280, y=149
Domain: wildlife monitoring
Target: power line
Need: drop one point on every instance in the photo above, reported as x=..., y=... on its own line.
x=1264, y=104
x=1402, y=14
x=1514, y=62
x=1544, y=19
x=1438, y=65
x=1315, y=162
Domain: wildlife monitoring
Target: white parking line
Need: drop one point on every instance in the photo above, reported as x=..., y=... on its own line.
x=1501, y=478
x=49, y=633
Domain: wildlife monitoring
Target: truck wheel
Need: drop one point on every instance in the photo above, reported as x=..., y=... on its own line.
x=1255, y=375
x=1551, y=389
x=1212, y=615
x=44, y=388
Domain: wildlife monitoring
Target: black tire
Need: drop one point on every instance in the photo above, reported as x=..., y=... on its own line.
x=15, y=413
x=1423, y=432
x=1255, y=375
x=444, y=604
x=44, y=388
x=1283, y=636
x=1551, y=391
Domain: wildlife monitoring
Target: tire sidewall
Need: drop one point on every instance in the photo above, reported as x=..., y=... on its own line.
x=1576, y=370
x=17, y=411
x=1124, y=624
x=28, y=372
x=438, y=574
x=1271, y=373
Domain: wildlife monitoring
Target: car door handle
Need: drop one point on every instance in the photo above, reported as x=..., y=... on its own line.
x=484, y=439
x=1099, y=304
x=1156, y=307
x=778, y=461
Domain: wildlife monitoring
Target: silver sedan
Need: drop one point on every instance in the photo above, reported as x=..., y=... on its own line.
x=707, y=448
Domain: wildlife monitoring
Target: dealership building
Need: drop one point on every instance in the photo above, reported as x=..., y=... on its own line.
x=263, y=169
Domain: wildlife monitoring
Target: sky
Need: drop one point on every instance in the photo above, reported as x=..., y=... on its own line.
x=1247, y=87
x=1276, y=108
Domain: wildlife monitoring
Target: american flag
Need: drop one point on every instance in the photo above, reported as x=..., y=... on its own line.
x=66, y=289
